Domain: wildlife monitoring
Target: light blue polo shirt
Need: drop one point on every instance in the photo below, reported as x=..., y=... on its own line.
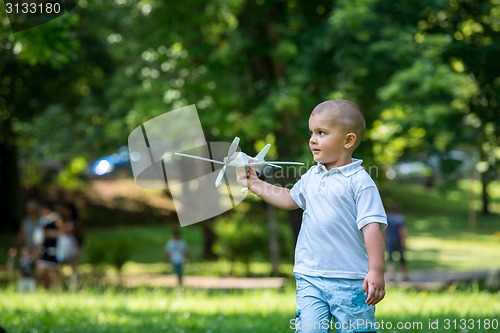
x=337, y=203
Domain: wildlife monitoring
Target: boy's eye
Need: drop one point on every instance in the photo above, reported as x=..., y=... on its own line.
x=311, y=133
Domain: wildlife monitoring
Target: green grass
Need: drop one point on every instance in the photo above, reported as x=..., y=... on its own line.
x=441, y=237
x=249, y=311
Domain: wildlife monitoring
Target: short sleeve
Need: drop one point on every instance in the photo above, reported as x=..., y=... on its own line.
x=297, y=193
x=370, y=208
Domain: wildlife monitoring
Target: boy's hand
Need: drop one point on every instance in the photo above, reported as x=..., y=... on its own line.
x=374, y=287
x=246, y=177
x=274, y=195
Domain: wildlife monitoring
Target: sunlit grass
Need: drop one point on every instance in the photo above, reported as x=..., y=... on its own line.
x=415, y=198
x=149, y=311
x=208, y=311
x=479, y=252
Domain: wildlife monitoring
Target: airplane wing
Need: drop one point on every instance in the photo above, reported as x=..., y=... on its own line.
x=199, y=158
x=274, y=163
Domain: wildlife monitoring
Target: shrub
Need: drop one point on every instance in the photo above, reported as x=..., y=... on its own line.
x=240, y=239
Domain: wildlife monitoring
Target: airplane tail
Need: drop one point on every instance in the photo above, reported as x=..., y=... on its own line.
x=263, y=152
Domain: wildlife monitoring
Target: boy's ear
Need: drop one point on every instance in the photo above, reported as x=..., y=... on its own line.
x=350, y=140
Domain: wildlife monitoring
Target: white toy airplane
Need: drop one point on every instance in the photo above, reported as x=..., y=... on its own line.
x=240, y=159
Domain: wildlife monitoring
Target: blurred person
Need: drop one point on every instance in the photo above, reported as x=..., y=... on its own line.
x=396, y=236
x=27, y=281
x=176, y=251
x=27, y=233
x=69, y=241
x=47, y=264
x=11, y=261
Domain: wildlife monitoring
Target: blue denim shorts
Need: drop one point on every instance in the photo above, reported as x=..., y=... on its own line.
x=320, y=299
x=177, y=269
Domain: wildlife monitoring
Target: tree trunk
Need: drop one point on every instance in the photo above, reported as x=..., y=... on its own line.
x=10, y=195
x=274, y=246
x=209, y=238
x=485, y=198
x=485, y=181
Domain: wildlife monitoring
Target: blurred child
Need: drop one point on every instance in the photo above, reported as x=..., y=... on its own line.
x=27, y=281
x=69, y=241
x=176, y=251
x=47, y=264
x=396, y=235
x=11, y=261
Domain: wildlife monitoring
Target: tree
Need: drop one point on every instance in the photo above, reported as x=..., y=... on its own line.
x=51, y=92
x=474, y=51
x=447, y=97
x=426, y=74
x=26, y=59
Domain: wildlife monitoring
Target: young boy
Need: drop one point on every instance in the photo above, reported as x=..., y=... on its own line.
x=339, y=256
x=176, y=250
x=396, y=236
x=27, y=282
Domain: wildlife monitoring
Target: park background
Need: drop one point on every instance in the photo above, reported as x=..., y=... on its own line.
x=425, y=74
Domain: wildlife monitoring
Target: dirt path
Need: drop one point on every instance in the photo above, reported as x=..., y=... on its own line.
x=428, y=280
x=203, y=282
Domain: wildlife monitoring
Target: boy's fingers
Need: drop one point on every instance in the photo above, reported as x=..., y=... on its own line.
x=375, y=295
x=241, y=176
x=369, y=299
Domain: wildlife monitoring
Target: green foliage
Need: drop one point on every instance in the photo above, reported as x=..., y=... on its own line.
x=240, y=238
x=120, y=252
x=424, y=72
x=71, y=177
x=116, y=252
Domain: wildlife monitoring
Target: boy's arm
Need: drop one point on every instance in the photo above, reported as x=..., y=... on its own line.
x=374, y=284
x=274, y=195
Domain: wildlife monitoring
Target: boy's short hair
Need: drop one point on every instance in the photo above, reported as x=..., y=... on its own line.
x=345, y=114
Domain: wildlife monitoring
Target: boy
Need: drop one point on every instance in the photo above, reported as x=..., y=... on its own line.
x=339, y=256
x=27, y=282
x=396, y=236
x=176, y=250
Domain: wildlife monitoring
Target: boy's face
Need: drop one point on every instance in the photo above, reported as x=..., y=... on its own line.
x=328, y=142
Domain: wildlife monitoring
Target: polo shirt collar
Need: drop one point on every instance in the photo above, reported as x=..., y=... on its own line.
x=346, y=170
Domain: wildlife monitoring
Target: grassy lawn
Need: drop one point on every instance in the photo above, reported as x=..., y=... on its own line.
x=441, y=238
x=249, y=311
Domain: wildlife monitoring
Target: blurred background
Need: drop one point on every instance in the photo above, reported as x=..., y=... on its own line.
x=425, y=73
